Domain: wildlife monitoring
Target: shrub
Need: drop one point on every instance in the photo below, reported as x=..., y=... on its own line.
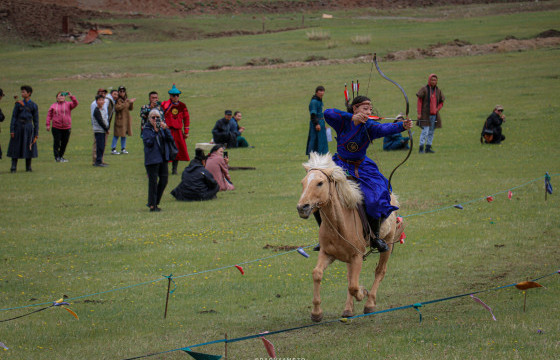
x=361, y=40
x=317, y=35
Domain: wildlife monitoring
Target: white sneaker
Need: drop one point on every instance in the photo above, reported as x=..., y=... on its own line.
x=63, y=160
x=123, y=151
x=115, y=152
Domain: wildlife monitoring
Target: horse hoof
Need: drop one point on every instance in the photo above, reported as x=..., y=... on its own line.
x=317, y=318
x=368, y=310
x=347, y=314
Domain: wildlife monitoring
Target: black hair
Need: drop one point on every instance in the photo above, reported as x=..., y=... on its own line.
x=237, y=112
x=199, y=154
x=27, y=88
x=319, y=88
x=97, y=97
x=215, y=148
x=152, y=93
x=357, y=100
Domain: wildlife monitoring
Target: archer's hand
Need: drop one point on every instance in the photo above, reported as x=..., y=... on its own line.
x=359, y=118
x=407, y=124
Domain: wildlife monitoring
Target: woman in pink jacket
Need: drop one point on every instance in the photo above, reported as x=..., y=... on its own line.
x=218, y=167
x=60, y=120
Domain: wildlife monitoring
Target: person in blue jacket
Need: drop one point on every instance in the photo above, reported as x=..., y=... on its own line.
x=157, y=147
x=396, y=141
x=317, y=137
x=355, y=131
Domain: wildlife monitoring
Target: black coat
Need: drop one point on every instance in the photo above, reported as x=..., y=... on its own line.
x=156, y=145
x=25, y=127
x=197, y=183
x=222, y=134
x=494, y=124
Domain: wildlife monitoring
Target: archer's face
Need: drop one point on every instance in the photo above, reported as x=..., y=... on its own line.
x=364, y=108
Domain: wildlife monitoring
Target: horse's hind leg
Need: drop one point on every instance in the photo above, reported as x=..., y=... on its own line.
x=322, y=262
x=380, y=271
x=355, y=291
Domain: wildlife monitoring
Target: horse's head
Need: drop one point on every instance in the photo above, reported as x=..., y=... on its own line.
x=315, y=191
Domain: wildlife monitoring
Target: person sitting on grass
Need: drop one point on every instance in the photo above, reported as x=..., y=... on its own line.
x=217, y=164
x=197, y=183
x=396, y=141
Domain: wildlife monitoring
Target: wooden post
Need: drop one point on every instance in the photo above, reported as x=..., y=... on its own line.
x=167, y=297
x=225, y=345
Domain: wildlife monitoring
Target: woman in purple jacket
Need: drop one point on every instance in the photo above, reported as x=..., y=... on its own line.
x=59, y=118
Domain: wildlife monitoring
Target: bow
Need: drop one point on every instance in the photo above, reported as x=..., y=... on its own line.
x=406, y=115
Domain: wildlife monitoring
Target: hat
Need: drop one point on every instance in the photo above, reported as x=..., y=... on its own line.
x=228, y=112
x=400, y=116
x=499, y=107
x=174, y=90
x=122, y=88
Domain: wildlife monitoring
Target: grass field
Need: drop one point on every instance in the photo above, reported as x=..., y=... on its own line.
x=75, y=230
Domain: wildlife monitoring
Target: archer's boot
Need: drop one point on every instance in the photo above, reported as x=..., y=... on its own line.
x=377, y=242
x=174, y=167
x=317, y=215
x=421, y=149
x=429, y=149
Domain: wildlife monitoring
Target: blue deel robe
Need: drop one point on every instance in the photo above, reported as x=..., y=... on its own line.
x=352, y=143
x=317, y=140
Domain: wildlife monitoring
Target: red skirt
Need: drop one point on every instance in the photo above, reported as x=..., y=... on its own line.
x=183, y=154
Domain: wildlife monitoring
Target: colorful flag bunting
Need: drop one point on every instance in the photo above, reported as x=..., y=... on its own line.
x=484, y=305
x=510, y=194
x=302, y=252
x=489, y=198
x=3, y=346
x=402, y=237
x=269, y=347
x=524, y=285
x=201, y=356
x=458, y=206
x=547, y=184
x=240, y=269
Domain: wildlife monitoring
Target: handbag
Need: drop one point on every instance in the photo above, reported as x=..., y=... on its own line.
x=173, y=151
x=488, y=135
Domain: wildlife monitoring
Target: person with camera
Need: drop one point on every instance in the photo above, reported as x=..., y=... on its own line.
x=157, y=153
x=492, y=129
x=217, y=164
x=59, y=118
x=123, y=121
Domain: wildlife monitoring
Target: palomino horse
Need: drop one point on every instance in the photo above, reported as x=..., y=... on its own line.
x=326, y=189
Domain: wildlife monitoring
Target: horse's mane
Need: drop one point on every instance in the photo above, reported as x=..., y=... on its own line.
x=349, y=192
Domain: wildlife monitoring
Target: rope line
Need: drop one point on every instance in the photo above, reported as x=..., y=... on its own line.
x=264, y=258
x=415, y=306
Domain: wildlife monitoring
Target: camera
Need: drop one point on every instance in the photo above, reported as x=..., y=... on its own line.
x=225, y=154
x=158, y=122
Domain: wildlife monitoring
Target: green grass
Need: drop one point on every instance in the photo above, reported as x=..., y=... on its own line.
x=71, y=229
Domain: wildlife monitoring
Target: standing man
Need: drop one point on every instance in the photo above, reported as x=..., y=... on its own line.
x=430, y=102
x=178, y=121
x=100, y=127
x=222, y=133
x=317, y=138
x=154, y=103
x=24, y=130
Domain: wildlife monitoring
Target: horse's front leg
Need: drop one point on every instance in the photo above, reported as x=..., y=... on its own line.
x=380, y=272
x=355, y=291
x=323, y=260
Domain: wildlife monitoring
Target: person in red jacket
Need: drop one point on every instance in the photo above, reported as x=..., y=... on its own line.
x=178, y=120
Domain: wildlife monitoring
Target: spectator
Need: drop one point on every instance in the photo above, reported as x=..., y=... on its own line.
x=24, y=130
x=396, y=141
x=492, y=129
x=157, y=139
x=238, y=130
x=60, y=119
x=154, y=103
x=197, y=183
x=100, y=127
x=93, y=106
x=123, y=121
x=2, y=117
x=217, y=164
x=430, y=102
x=178, y=119
x=317, y=138
x=222, y=133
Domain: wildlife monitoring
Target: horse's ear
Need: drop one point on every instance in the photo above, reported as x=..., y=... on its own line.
x=306, y=167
